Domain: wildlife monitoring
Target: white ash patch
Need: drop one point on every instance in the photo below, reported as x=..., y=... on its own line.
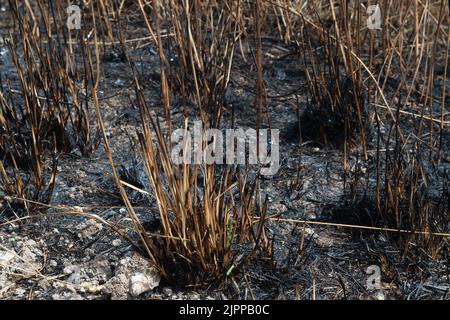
x=20, y=258
x=134, y=276
x=89, y=229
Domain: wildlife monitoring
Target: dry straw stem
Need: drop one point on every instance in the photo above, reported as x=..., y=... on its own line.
x=61, y=210
x=354, y=226
x=442, y=122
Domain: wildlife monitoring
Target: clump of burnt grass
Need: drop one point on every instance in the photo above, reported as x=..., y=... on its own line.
x=350, y=71
x=211, y=217
x=410, y=194
x=335, y=114
x=207, y=226
x=409, y=202
x=411, y=191
x=45, y=103
x=201, y=53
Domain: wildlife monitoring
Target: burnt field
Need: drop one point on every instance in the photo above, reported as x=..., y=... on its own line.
x=118, y=179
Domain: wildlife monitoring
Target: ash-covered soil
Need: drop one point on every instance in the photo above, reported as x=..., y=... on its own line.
x=68, y=253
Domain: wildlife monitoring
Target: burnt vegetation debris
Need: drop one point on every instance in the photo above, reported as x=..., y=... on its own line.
x=109, y=94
